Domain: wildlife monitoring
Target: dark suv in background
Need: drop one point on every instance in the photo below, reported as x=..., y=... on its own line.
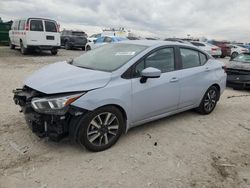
x=225, y=47
x=73, y=39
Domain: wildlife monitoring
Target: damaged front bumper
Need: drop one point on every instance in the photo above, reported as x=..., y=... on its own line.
x=53, y=126
x=238, y=78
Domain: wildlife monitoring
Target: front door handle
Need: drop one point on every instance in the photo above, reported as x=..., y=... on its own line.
x=207, y=69
x=174, y=79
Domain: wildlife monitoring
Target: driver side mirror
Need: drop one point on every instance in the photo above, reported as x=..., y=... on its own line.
x=149, y=72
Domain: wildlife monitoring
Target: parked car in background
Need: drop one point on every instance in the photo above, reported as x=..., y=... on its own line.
x=238, y=72
x=4, y=32
x=213, y=50
x=236, y=50
x=102, y=41
x=98, y=35
x=177, y=40
x=224, y=46
x=35, y=33
x=73, y=39
x=245, y=46
x=98, y=96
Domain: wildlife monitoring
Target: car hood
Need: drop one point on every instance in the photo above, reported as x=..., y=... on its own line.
x=238, y=65
x=62, y=77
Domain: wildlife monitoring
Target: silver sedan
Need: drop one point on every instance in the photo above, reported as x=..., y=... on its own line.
x=96, y=97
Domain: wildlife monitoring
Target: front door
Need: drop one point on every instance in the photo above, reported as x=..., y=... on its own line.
x=158, y=95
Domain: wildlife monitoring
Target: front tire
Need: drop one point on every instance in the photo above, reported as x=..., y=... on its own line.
x=209, y=101
x=88, y=48
x=234, y=54
x=67, y=46
x=100, y=129
x=12, y=46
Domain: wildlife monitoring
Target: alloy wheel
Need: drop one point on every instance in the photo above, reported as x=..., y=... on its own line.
x=210, y=100
x=102, y=129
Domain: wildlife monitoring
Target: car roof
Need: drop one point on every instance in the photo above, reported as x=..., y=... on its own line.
x=28, y=18
x=150, y=43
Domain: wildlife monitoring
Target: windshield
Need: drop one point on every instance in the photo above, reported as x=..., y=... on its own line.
x=244, y=58
x=109, y=57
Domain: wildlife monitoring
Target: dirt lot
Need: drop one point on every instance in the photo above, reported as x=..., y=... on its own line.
x=185, y=150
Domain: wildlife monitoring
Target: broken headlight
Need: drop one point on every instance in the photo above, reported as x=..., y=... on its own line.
x=57, y=105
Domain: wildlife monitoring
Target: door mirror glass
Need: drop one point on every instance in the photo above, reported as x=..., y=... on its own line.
x=150, y=72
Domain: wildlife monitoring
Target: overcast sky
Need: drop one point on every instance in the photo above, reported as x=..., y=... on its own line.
x=214, y=19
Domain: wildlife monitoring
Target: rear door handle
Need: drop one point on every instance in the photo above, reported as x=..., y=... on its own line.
x=174, y=79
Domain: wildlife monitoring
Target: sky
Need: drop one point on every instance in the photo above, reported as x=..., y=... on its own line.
x=213, y=19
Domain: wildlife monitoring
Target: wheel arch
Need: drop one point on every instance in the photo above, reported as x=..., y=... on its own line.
x=218, y=88
x=122, y=110
x=74, y=122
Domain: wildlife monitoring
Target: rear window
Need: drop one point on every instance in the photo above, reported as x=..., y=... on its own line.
x=36, y=25
x=190, y=58
x=77, y=33
x=197, y=44
x=50, y=26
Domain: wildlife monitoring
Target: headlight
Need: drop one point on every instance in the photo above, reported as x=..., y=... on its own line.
x=57, y=105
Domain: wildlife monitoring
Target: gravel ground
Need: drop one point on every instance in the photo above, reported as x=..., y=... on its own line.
x=185, y=150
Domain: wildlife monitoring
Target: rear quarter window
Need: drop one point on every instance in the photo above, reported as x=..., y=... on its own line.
x=50, y=26
x=36, y=25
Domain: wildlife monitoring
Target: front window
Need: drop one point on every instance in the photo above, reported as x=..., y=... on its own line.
x=109, y=57
x=243, y=58
x=162, y=59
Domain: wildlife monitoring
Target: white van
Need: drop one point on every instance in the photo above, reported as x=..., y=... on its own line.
x=35, y=33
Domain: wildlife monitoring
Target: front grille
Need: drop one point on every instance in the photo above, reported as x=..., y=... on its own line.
x=237, y=72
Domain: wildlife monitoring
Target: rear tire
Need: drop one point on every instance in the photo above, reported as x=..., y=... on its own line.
x=209, y=101
x=100, y=129
x=12, y=46
x=24, y=50
x=54, y=51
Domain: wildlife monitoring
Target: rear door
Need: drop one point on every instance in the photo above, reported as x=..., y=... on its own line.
x=194, y=76
x=52, y=36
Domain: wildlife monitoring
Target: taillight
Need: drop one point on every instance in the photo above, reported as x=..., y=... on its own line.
x=224, y=68
x=214, y=49
x=27, y=27
x=57, y=27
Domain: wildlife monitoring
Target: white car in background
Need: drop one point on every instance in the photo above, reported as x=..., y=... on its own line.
x=213, y=50
x=102, y=41
x=236, y=50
